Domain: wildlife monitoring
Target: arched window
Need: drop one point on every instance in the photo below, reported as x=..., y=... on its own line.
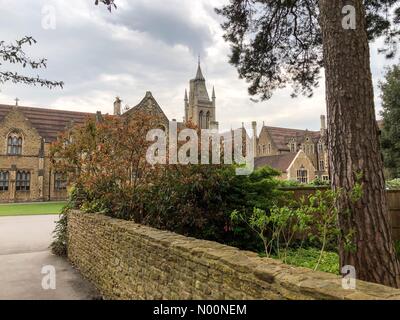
x=208, y=120
x=23, y=181
x=14, y=144
x=201, y=115
x=320, y=148
x=321, y=165
x=60, y=181
x=4, y=180
x=302, y=175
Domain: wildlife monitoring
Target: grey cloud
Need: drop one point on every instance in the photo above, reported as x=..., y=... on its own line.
x=98, y=59
x=166, y=22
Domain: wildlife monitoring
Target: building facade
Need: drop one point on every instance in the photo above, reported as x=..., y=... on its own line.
x=26, y=135
x=301, y=155
x=25, y=138
x=199, y=108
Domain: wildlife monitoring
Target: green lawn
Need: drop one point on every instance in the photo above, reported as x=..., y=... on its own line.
x=31, y=209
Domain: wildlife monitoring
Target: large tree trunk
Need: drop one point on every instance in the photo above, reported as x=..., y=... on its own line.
x=366, y=237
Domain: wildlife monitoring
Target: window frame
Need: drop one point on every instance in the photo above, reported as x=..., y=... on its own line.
x=301, y=177
x=60, y=181
x=4, y=180
x=23, y=181
x=320, y=148
x=321, y=165
x=14, y=144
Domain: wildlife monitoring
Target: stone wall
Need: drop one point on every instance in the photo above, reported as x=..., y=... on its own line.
x=129, y=261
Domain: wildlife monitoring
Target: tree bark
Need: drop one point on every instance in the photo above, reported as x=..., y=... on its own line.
x=366, y=237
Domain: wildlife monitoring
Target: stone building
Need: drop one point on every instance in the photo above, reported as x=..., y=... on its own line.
x=199, y=108
x=26, y=135
x=300, y=155
x=25, y=138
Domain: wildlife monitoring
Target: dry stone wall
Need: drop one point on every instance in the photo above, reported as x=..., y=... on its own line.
x=125, y=260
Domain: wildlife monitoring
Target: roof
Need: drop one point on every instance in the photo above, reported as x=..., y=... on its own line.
x=148, y=104
x=48, y=122
x=281, y=136
x=199, y=74
x=280, y=162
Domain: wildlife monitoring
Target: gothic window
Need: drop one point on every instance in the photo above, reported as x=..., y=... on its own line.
x=322, y=165
x=302, y=175
x=60, y=181
x=269, y=149
x=264, y=149
x=325, y=178
x=14, y=144
x=320, y=148
x=23, y=182
x=201, y=115
x=4, y=180
x=208, y=120
x=292, y=147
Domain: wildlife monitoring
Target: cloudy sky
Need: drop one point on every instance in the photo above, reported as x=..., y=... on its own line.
x=145, y=45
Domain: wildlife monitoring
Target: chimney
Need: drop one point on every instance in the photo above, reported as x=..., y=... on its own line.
x=117, y=106
x=99, y=117
x=323, y=124
x=254, y=125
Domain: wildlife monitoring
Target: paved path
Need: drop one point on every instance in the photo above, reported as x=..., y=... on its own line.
x=24, y=243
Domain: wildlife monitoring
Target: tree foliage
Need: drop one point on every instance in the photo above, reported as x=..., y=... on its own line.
x=276, y=43
x=106, y=163
x=391, y=115
x=109, y=3
x=14, y=54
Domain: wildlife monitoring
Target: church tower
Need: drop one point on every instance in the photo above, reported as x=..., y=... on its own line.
x=199, y=108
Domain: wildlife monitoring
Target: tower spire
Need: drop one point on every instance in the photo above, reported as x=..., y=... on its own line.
x=199, y=74
x=186, y=95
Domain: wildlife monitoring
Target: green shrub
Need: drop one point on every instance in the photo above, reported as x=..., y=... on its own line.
x=60, y=242
x=318, y=182
x=289, y=184
x=397, y=247
x=197, y=201
x=393, y=184
x=308, y=257
x=59, y=246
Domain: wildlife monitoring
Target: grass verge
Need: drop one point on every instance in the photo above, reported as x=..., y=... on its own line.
x=31, y=209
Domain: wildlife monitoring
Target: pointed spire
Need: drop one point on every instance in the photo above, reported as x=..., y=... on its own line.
x=186, y=95
x=199, y=75
x=213, y=93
